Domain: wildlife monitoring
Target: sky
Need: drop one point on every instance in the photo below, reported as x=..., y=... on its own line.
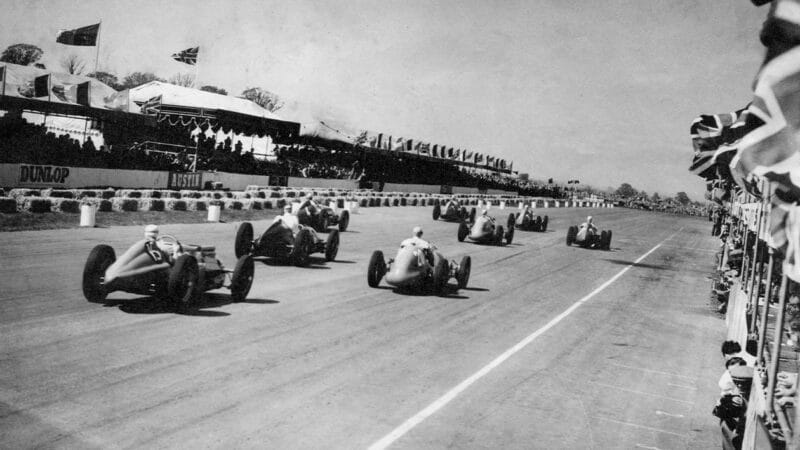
x=599, y=91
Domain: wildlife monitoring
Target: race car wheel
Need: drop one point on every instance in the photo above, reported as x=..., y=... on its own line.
x=526, y=222
x=332, y=245
x=344, y=220
x=182, y=284
x=94, y=271
x=509, y=236
x=376, y=268
x=244, y=239
x=543, y=227
x=472, y=213
x=441, y=272
x=511, y=221
x=462, y=213
x=463, y=231
x=323, y=222
x=242, y=278
x=499, y=235
x=303, y=243
x=437, y=211
x=608, y=241
x=571, y=233
x=537, y=223
x=462, y=274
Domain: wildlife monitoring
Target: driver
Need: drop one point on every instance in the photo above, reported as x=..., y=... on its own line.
x=589, y=225
x=310, y=205
x=454, y=201
x=152, y=242
x=425, y=247
x=288, y=219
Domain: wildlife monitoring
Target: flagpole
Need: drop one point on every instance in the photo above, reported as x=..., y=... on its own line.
x=97, y=55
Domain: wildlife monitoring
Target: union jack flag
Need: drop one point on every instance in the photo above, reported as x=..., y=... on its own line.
x=151, y=106
x=188, y=56
x=714, y=138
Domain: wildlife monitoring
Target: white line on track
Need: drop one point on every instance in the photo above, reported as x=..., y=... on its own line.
x=440, y=402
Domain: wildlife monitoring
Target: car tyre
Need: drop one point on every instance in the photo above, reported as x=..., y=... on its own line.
x=509, y=236
x=526, y=222
x=571, y=233
x=302, y=248
x=499, y=235
x=472, y=213
x=344, y=221
x=242, y=278
x=376, y=268
x=94, y=271
x=608, y=241
x=244, y=240
x=437, y=211
x=463, y=231
x=332, y=245
x=183, y=278
x=543, y=227
x=463, y=214
x=464, y=269
x=441, y=272
x=511, y=221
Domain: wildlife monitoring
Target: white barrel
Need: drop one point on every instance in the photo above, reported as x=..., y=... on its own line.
x=88, y=215
x=214, y=213
x=502, y=204
x=545, y=204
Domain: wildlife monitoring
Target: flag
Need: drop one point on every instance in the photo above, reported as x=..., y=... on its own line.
x=478, y=158
x=3, y=80
x=83, y=96
x=714, y=138
x=781, y=29
x=770, y=150
x=435, y=151
x=41, y=86
x=489, y=161
x=457, y=154
x=188, y=56
x=467, y=155
x=152, y=106
x=398, y=144
x=84, y=36
x=424, y=148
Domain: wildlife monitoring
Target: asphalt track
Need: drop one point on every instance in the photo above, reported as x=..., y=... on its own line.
x=317, y=359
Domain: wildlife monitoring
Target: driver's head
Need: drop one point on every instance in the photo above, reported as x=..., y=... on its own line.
x=151, y=232
x=417, y=232
x=589, y=219
x=484, y=212
x=287, y=209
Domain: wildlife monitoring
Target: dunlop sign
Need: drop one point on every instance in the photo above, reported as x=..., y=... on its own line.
x=30, y=175
x=185, y=180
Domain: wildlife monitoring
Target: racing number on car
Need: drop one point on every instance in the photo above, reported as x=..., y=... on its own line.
x=152, y=249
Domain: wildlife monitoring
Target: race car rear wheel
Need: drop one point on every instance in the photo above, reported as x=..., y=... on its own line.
x=441, y=272
x=511, y=221
x=472, y=213
x=462, y=275
x=437, y=211
x=323, y=222
x=462, y=213
x=463, y=231
x=94, y=271
x=607, y=245
x=244, y=239
x=242, y=278
x=571, y=233
x=543, y=227
x=509, y=236
x=537, y=223
x=376, y=268
x=332, y=245
x=344, y=220
x=526, y=222
x=182, y=284
x=499, y=235
x=303, y=244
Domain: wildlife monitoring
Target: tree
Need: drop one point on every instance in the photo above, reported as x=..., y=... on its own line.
x=107, y=78
x=682, y=198
x=138, y=78
x=73, y=64
x=22, y=54
x=263, y=98
x=642, y=195
x=655, y=197
x=626, y=190
x=214, y=89
x=182, y=79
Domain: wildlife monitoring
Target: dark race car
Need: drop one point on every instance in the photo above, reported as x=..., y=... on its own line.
x=528, y=221
x=278, y=241
x=453, y=212
x=321, y=218
x=484, y=230
x=589, y=237
x=408, y=270
x=147, y=269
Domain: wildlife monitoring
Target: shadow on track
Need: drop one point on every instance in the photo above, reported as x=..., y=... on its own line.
x=200, y=307
x=314, y=262
x=631, y=263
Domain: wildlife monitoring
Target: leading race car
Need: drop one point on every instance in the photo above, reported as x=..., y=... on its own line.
x=278, y=241
x=321, y=218
x=484, y=230
x=529, y=221
x=452, y=211
x=589, y=237
x=416, y=268
x=163, y=268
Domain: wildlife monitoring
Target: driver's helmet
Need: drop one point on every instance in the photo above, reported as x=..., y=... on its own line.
x=417, y=232
x=287, y=209
x=589, y=220
x=484, y=212
x=151, y=232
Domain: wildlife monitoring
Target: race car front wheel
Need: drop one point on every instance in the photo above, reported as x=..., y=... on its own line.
x=244, y=239
x=182, y=284
x=242, y=278
x=376, y=268
x=463, y=231
x=301, y=250
x=462, y=274
x=437, y=211
x=344, y=220
x=94, y=272
x=332, y=245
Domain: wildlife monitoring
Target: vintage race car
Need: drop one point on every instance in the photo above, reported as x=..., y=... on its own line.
x=408, y=271
x=528, y=221
x=589, y=238
x=146, y=269
x=484, y=230
x=278, y=241
x=453, y=212
x=324, y=217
